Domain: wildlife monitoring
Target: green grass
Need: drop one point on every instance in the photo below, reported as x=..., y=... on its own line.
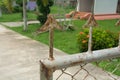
x=57, y=10
x=110, y=65
x=66, y=43
x=109, y=25
x=31, y=16
x=16, y=17
x=67, y=40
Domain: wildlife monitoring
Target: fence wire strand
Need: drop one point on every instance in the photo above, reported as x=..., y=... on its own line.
x=100, y=70
x=112, y=73
x=109, y=68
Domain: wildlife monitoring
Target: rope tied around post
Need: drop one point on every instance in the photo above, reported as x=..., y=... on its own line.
x=49, y=25
x=51, y=40
x=50, y=21
x=90, y=40
x=118, y=23
x=90, y=22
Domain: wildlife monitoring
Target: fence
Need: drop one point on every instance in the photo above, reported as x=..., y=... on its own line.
x=79, y=67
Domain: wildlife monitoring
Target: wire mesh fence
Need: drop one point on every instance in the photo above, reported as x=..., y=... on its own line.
x=98, y=65
x=102, y=70
x=91, y=65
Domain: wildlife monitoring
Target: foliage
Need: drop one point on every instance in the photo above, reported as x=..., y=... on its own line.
x=101, y=39
x=20, y=7
x=17, y=9
x=8, y=5
x=19, y=2
x=1, y=3
x=44, y=9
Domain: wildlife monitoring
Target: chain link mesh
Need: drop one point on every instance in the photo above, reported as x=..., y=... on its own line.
x=102, y=70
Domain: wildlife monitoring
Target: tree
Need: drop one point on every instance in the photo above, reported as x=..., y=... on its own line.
x=0, y=12
x=8, y=5
x=20, y=3
x=1, y=3
x=24, y=16
x=44, y=9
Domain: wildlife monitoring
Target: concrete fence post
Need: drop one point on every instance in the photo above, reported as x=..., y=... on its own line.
x=45, y=73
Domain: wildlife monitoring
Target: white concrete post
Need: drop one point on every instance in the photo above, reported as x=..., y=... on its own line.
x=78, y=5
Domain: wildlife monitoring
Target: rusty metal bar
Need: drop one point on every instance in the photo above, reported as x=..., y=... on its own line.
x=77, y=59
x=51, y=34
x=90, y=40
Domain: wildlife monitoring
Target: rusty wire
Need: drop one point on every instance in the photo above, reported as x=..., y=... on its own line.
x=88, y=75
x=112, y=73
x=83, y=72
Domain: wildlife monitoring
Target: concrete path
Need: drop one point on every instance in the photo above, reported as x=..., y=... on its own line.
x=19, y=56
x=19, y=59
x=18, y=24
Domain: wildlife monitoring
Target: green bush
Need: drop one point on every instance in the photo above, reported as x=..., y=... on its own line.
x=17, y=9
x=101, y=39
x=44, y=9
x=42, y=19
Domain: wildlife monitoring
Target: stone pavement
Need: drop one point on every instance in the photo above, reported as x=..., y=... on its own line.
x=20, y=55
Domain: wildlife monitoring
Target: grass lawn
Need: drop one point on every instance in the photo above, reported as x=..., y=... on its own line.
x=16, y=17
x=67, y=40
x=111, y=65
x=57, y=9
x=66, y=43
x=31, y=16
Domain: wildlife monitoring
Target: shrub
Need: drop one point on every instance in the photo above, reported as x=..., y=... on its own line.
x=42, y=19
x=101, y=39
x=17, y=9
x=44, y=9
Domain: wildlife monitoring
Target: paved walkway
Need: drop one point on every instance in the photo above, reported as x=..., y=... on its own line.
x=19, y=59
x=18, y=24
x=19, y=56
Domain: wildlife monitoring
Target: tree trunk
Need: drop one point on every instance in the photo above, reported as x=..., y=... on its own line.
x=24, y=16
x=0, y=12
